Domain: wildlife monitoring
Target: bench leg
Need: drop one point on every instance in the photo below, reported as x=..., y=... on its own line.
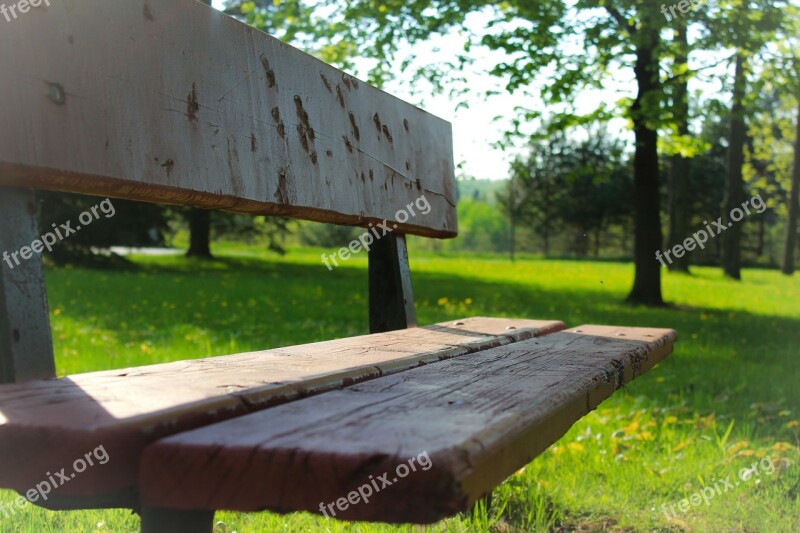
x=158, y=520
x=391, y=300
x=26, y=346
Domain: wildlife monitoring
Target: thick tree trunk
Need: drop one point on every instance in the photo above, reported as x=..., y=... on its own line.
x=679, y=205
x=794, y=208
x=199, y=233
x=648, y=236
x=734, y=190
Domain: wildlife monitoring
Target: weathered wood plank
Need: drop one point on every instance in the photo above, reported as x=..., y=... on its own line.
x=478, y=418
x=46, y=425
x=26, y=344
x=174, y=102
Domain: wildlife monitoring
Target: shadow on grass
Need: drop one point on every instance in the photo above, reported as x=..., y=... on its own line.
x=264, y=304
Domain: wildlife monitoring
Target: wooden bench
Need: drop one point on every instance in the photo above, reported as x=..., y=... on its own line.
x=169, y=101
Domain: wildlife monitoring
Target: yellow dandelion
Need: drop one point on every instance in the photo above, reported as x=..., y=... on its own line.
x=681, y=445
x=782, y=447
x=575, y=446
x=738, y=446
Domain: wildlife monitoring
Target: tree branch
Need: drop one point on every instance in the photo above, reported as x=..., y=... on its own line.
x=617, y=16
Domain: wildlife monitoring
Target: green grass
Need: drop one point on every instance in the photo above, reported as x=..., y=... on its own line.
x=728, y=396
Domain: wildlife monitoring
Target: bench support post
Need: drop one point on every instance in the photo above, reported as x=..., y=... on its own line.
x=26, y=344
x=391, y=300
x=157, y=520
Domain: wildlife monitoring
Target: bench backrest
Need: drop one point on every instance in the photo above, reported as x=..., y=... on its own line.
x=170, y=101
x=177, y=103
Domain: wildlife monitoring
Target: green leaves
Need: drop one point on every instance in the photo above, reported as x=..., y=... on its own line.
x=308, y=24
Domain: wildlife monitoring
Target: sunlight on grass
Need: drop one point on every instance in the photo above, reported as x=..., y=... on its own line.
x=728, y=396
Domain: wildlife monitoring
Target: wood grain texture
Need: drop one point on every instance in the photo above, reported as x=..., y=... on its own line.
x=479, y=418
x=46, y=425
x=171, y=101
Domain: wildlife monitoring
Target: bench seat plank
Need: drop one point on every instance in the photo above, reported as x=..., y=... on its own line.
x=46, y=425
x=479, y=418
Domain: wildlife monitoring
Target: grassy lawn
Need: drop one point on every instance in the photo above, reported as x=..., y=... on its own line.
x=728, y=396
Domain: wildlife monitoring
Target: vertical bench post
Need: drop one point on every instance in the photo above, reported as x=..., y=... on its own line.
x=156, y=520
x=391, y=300
x=26, y=344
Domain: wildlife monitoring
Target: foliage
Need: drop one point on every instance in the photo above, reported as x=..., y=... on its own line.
x=578, y=45
x=481, y=227
x=250, y=229
x=327, y=235
x=133, y=224
x=584, y=184
x=303, y=23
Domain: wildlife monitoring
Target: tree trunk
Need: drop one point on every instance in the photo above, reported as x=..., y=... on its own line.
x=546, y=238
x=647, y=234
x=794, y=208
x=596, y=250
x=199, y=233
x=512, y=230
x=679, y=205
x=734, y=190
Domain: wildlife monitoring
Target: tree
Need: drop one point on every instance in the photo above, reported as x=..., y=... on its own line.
x=583, y=184
x=794, y=200
x=302, y=23
x=541, y=37
x=744, y=26
x=679, y=214
x=734, y=185
x=537, y=184
x=513, y=202
x=770, y=151
x=787, y=75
